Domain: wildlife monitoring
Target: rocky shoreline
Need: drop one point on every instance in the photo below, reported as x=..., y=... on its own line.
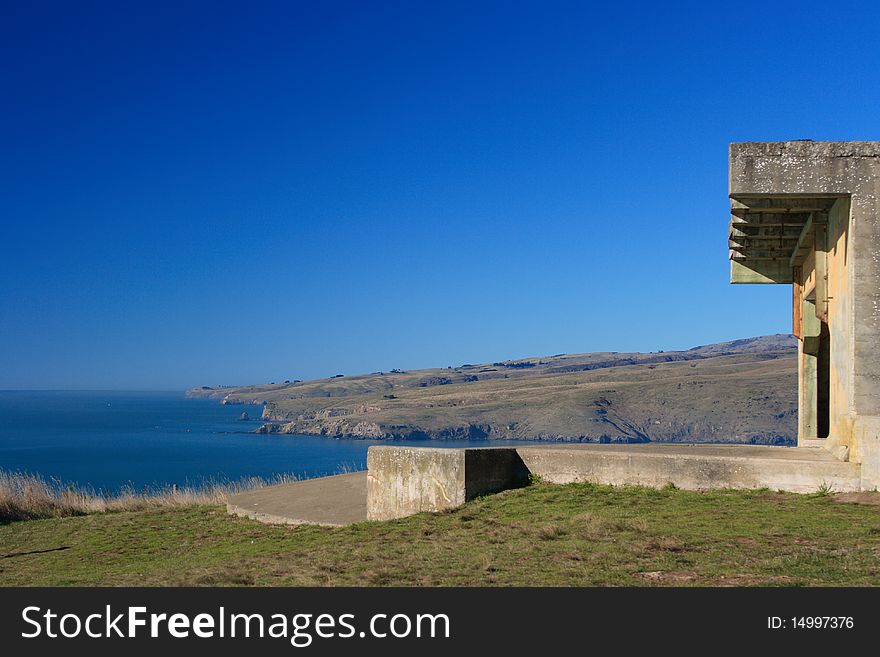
x=372, y=431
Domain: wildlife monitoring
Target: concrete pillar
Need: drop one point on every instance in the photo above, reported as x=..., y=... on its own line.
x=808, y=350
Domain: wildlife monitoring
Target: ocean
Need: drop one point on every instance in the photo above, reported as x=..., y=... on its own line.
x=111, y=440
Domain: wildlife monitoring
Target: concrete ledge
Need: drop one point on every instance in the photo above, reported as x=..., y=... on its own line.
x=798, y=470
x=402, y=481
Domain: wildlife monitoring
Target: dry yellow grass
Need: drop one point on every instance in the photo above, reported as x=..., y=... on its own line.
x=29, y=497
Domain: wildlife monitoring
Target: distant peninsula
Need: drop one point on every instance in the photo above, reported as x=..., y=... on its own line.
x=743, y=391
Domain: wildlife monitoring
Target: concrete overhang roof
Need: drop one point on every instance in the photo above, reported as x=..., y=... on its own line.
x=769, y=234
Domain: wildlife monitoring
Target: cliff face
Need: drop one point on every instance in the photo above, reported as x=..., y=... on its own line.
x=742, y=391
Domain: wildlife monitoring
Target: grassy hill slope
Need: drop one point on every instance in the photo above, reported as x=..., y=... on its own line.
x=543, y=535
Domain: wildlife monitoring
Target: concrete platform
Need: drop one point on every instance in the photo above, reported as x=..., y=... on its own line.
x=332, y=501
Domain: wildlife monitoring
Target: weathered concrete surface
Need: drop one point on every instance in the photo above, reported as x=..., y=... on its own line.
x=867, y=436
x=332, y=501
x=799, y=470
x=835, y=269
x=402, y=481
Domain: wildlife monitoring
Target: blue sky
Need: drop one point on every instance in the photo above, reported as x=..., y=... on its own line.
x=230, y=193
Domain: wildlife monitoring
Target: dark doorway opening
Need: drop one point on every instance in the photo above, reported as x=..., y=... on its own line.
x=823, y=383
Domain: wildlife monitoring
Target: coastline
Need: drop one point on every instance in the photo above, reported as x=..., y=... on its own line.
x=742, y=391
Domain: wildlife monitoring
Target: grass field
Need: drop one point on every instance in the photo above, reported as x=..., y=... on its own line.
x=578, y=534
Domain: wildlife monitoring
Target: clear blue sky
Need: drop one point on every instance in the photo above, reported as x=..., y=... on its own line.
x=231, y=193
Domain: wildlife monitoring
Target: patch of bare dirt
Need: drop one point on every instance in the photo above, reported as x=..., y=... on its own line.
x=872, y=498
x=774, y=497
x=668, y=577
x=751, y=580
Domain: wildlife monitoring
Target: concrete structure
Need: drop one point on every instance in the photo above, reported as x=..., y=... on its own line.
x=807, y=214
x=402, y=481
x=692, y=466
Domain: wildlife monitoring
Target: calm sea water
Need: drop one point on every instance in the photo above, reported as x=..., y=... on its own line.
x=108, y=440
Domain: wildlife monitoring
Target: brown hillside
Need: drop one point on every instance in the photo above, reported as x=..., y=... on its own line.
x=741, y=391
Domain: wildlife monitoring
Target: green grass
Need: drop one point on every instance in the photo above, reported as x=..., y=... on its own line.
x=578, y=534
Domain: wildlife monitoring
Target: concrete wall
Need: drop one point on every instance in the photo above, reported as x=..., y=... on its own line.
x=402, y=481
x=840, y=323
x=692, y=467
x=866, y=434
x=807, y=350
